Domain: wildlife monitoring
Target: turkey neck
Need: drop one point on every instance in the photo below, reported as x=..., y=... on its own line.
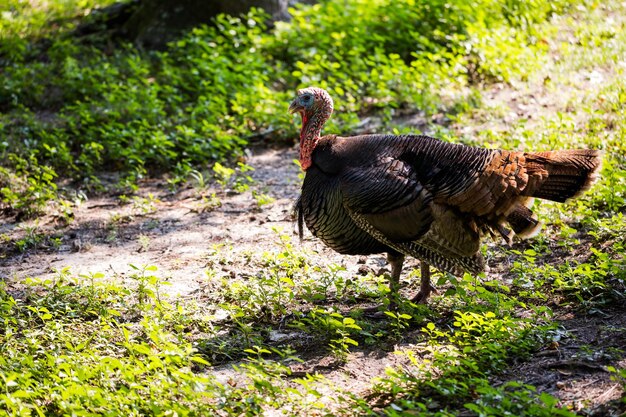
x=310, y=135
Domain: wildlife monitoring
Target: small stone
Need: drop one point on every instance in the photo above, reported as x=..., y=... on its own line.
x=363, y=270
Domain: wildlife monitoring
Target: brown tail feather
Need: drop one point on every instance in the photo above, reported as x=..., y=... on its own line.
x=560, y=175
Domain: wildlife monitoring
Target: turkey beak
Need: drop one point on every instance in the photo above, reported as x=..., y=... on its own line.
x=295, y=107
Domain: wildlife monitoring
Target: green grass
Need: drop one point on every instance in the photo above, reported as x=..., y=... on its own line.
x=94, y=345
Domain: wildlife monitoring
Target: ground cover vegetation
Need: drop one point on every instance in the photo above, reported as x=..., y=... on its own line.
x=74, y=109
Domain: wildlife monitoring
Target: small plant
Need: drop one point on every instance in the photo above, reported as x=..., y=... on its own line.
x=234, y=179
x=26, y=186
x=333, y=327
x=262, y=199
x=399, y=321
x=66, y=212
x=222, y=174
x=208, y=203
x=148, y=288
x=145, y=205
x=144, y=242
x=198, y=177
x=619, y=375
x=330, y=284
x=31, y=239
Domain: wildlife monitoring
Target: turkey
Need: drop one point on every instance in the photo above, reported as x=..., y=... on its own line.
x=411, y=195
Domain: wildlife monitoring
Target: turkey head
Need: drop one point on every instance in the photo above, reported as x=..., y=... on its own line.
x=315, y=106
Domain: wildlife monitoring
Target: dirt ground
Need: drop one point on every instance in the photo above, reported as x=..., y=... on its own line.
x=170, y=230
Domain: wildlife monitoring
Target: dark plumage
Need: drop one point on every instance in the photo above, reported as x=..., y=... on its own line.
x=418, y=196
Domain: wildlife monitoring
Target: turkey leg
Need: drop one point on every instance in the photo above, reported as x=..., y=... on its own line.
x=396, y=260
x=425, y=288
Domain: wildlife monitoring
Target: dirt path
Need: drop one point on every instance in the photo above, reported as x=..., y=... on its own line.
x=175, y=231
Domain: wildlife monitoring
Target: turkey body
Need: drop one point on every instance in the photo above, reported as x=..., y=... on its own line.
x=422, y=194
x=391, y=179
x=418, y=196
